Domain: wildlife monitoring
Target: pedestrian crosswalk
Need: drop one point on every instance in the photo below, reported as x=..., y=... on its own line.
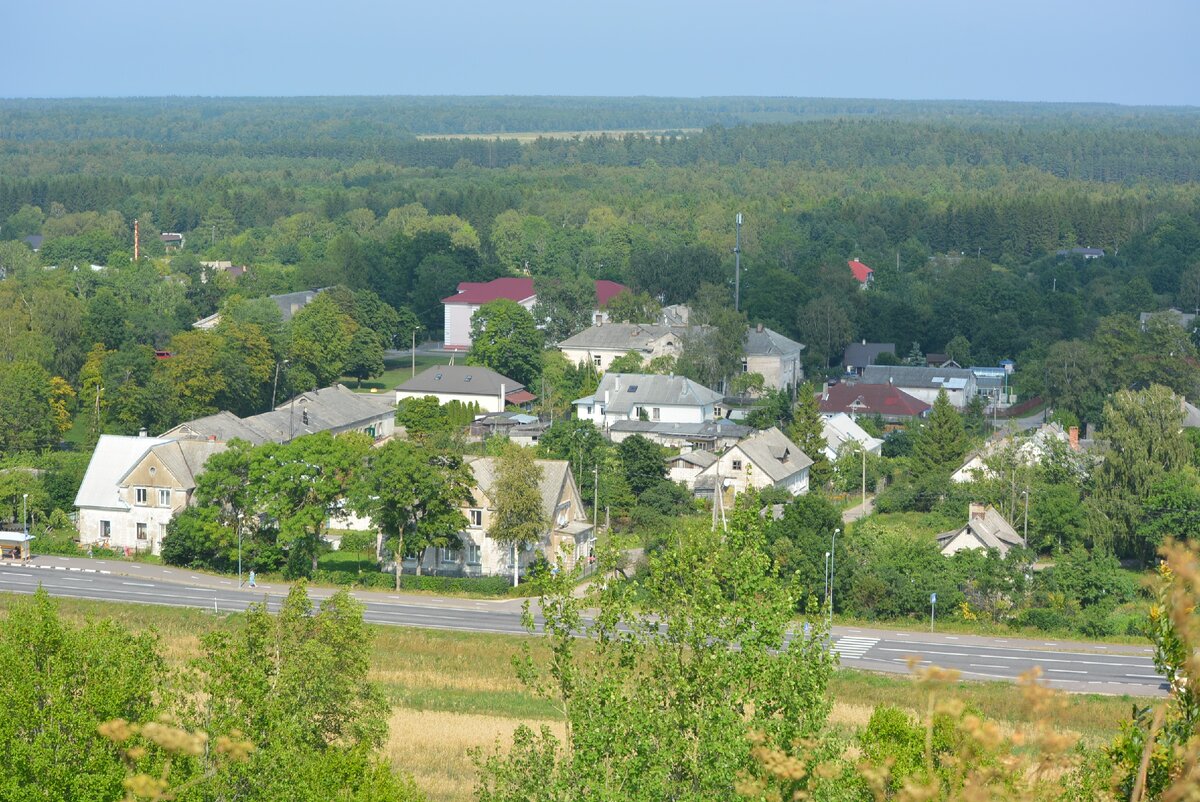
x=852, y=647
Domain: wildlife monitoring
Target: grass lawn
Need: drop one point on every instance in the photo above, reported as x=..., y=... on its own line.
x=396, y=371
x=455, y=691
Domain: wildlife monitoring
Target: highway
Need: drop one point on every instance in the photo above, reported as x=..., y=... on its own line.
x=1075, y=667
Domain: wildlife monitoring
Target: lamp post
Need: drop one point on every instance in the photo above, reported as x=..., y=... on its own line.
x=825, y=598
x=1025, y=539
x=24, y=517
x=832, y=551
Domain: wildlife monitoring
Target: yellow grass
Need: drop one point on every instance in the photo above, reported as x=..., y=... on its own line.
x=436, y=747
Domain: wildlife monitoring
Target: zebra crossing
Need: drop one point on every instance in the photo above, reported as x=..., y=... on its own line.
x=852, y=647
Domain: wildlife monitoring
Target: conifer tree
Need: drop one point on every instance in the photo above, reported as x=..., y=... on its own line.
x=943, y=440
x=808, y=432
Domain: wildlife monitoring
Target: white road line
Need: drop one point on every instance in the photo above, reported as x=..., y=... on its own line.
x=1148, y=676
x=1064, y=671
x=984, y=665
x=138, y=584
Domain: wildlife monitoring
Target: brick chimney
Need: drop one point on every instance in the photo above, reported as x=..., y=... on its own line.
x=1073, y=437
x=975, y=511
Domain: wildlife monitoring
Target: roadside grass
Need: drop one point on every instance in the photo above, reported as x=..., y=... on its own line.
x=451, y=692
x=986, y=628
x=353, y=562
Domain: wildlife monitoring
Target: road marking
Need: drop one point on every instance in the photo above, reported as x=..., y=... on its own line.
x=951, y=637
x=930, y=651
x=75, y=579
x=1064, y=671
x=984, y=665
x=1148, y=676
x=854, y=648
x=138, y=584
x=1047, y=643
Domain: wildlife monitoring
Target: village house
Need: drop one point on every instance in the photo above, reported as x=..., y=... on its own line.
x=134, y=486
x=568, y=536
x=856, y=399
x=289, y=304
x=859, y=356
x=1025, y=450
x=985, y=528
x=599, y=345
x=473, y=294
x=774, y=357
x=925, y=383
x=649, y=397
x=840, y=431
x=688, y=465
x=765, y=459
x=467, y=384
x=714, y=435
x=864, y=275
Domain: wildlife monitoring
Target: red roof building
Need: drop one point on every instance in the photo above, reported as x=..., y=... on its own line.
x=872, y=399
x=473, y=294
x=862, y=274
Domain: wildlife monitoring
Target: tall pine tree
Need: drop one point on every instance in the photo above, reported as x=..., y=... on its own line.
x=808, y=432
x=942, y=442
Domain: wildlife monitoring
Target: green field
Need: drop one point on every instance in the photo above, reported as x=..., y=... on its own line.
x=454, y=691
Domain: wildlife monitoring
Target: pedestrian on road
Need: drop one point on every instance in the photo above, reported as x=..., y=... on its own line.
x=252, y=583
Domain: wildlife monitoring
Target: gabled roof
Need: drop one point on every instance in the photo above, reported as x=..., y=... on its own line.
x=701, y=459
x=462, y=380
x=518, y=289
x=114, y=456
x=988, y=527
x=627, y=390
x=623, y=337
x=184, y=459
x=862, y=354
x=336, y=407
x=761, y=341
x=774, y=454
x=840, y=429
x=913, y=376
x=224, y=426
x=1191, y=415
x=555, y=473
x=862, y=273
x=871, y=399
x=708, y=430
x=607, y=290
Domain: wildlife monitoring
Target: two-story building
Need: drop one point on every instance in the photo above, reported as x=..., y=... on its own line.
x=650, y=397
x=778, y=359
x=925, y=383
x=599, y=345
x=765, y=459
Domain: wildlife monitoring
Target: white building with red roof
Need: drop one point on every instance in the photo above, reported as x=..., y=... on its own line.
x=862, y=274
x=473, y=294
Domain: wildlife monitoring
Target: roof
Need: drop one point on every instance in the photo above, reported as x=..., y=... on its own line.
x=329, y=408
x=841, y=429
x=292, y=302
x=1176, y=316
x=871, y=399
x=34, y=241
x=627, y=390
x=1086, y=252
x=554, y=476
x=862, y=354
x=183, y=458
x=774, y=454
x=112, y=458
x=701, y=459
x=623, y=337
x=913, y=376
x=170, y=236
x=460, y=379
x=607, y=290
x=761, y=341
x=988, y=527
x=1191, y=416
x=861, y=272
x=224, y=426
x=709, y=430
x=480, y=292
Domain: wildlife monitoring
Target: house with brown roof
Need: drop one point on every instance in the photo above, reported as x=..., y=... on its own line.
x=568, y=535
x=985, y=528
x=888, y=401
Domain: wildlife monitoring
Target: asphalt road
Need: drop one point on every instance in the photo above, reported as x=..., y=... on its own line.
x=1074, y=667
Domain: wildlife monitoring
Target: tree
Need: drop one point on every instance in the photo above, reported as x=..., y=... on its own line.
x=713, y=354
x=564, y=305
x=413, y=495
x=959, y=349
x=301, y=484
x=194, y=372
x=517, y=515
x=1074, y=376
x=941, y=441
x=798, y=542
x=28, y=419
x=642, y=461
x=807, y=430
x=627, y=363
x=505, y=339
x=365, y=358
x=825, y=326
x=689, y=670
x=422, y=417
x=628, y=307
x=321, y=335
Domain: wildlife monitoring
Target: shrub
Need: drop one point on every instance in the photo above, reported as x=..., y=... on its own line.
x=1043, y=618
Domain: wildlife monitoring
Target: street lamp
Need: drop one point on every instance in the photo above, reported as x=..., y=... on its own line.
x=24, y=518
x=825, y=598
x=832, y=550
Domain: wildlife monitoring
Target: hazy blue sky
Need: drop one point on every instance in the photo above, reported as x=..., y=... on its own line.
x=1124, y=51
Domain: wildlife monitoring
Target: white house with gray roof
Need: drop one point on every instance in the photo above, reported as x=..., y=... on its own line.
x=766, y=459
x=467, y=384
x=134, y=486
x=925, y=383
x=638, y=396
x=598, y=346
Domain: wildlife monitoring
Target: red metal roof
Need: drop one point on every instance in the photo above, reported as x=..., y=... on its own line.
x=517, y=289
x=871, y=399
x=861, y=272
x=519, y=397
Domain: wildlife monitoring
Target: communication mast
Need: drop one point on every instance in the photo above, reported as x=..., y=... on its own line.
x=136, y=239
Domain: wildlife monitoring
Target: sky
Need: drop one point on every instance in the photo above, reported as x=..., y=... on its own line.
x=1137, y=52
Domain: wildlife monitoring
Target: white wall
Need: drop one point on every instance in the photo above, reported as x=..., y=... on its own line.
x=458, y=325
x=666, y=413
x=778, y=371
x=488, y=403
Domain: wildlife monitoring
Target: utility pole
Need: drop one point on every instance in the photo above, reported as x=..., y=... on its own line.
x=1025, y=540
x=864, y=482
x=932, y=607
x=832, y=549
x=595, y=502
x=414, y=352
x=737, y=266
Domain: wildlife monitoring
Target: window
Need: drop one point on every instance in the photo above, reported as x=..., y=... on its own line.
x=476, y=518
x=596, y=360
x=105, y=529
x=473, y=556
x=737, y=464
x=449, y=555
x=655, y=413
x=141, y=531
x=589, y=409
x=139, y=495
x=164, y=497
x=745, y=366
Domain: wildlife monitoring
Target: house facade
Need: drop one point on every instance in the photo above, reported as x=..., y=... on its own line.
x=776, y=358
x=765, y=459
x=654, y=398
x=986, y=528
x=599, y=345
x=134, y=486
x=467, y=384
x=924, y=383
x=569, y=536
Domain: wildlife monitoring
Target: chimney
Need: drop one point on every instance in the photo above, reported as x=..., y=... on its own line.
x=1073, y=436
x=864, y=342
x=212, y=438
x=758, y=328
x=503, y=395
x=143, y=433
x=606, y=395
x=975, y=511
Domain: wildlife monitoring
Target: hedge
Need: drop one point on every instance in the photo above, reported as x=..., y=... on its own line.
x=484, y=586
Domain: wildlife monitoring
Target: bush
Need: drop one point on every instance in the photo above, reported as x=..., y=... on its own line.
x=483, y=586
x=1043, y=618
x=1095, y=622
